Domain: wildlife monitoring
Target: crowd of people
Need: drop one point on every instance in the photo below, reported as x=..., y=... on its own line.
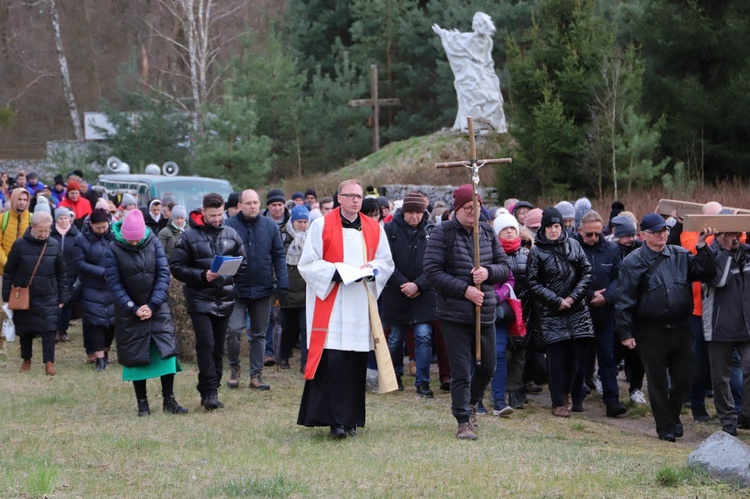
x=509, y=298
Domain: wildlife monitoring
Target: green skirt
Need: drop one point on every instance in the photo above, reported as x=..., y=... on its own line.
x=157, y=368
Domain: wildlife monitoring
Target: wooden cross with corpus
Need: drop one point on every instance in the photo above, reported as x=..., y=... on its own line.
x=474, y=165
x=375, y=103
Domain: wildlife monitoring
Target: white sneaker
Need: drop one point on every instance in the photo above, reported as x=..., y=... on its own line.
x=598, y=384
x=637, y=397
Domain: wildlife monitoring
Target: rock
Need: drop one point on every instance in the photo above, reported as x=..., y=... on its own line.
x=724, y=457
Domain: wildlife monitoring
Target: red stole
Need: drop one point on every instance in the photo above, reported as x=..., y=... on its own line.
x=333, y=251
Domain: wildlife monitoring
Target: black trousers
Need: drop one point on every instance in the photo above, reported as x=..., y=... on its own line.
x=99, y=338
x=48, y=345
x=663, y=350
x=210, y=334
x=467, y=388
x=566, y=365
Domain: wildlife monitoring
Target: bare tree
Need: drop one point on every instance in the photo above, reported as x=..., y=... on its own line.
x=199, y=45
x=65, y=73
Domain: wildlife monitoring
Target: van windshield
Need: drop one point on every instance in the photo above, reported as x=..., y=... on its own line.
x=189, y=192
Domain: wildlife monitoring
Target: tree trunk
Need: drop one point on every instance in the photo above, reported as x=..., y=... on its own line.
x=65, y=74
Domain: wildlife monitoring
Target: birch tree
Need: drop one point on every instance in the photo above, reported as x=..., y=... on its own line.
x=67, y=85
x=199, y=45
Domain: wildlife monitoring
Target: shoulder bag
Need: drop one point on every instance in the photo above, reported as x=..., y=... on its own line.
x=19, y=295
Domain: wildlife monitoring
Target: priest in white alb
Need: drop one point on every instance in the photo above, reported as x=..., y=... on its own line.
x=346, y=263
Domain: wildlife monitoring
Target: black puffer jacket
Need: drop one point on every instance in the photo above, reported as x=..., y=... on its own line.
x=139, y=275
x=518, y=262
x=407, y=247
x=657, y=287
x=47, y=290
x=448, y=270
x=193, y=254
x=96, y=298
x=68, y=245
x=556, y=270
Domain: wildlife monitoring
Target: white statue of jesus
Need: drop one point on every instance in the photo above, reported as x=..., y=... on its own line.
x=477, y=85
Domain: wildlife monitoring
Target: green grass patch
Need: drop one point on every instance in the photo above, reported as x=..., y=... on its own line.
x=275, y=486
x=40, y=480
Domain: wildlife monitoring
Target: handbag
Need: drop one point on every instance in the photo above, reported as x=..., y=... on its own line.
x=516, y=328
x=19, y=295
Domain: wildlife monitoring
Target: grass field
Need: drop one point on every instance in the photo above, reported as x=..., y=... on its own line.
x=77, y=435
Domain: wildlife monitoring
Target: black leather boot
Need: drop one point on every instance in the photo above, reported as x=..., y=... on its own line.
x=101, y=364
x=143, y=409
x=171, y=406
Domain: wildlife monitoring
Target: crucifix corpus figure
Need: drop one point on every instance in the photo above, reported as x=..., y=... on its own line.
x=463, y=262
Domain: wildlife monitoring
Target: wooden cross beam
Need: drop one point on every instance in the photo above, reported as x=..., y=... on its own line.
x=667, y=206
x=374, y=102
x=474, y=165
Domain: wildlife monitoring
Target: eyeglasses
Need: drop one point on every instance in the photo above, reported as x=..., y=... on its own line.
x=352, y=196
x=593, y=234
x=469, y=208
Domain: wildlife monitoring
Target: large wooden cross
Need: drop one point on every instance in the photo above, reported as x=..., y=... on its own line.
x=374, y=102
x=474, y=165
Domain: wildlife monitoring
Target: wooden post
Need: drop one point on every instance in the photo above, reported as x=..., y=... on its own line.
x=474, y=165
x=374, y=102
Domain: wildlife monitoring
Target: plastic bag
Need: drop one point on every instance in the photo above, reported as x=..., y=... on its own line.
x=9, y=329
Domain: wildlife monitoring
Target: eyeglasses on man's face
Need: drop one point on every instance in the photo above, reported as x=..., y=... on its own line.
x=352, y=196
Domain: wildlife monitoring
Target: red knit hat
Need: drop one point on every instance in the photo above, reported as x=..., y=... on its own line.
x=74, y=186
x=462, y=195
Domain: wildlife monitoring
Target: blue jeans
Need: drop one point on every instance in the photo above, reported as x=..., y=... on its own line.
x=500, y=378
x=422, y=349
x=605, y=354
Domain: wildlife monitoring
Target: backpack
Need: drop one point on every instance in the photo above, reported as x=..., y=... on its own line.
x=6, y=217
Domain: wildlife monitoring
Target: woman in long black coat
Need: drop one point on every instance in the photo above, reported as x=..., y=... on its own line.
x=47, y=292
x=558, y=276
x=96, y=298
x=138, y=277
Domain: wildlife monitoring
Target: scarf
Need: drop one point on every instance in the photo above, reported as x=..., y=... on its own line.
x=62, y=231
x=181, y=229
x=511, y=246
x=294, y=252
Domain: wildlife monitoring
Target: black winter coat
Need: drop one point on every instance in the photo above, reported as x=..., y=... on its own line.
x=660, y=293
x=557, y=270
x=193, y=255
x=407, y=247
x=96, y=299
x=48, y=288
x=297, y=285
x=604, y=257
x=448, y=270
x=68, y=245
x=139, y=275
x=264, y=251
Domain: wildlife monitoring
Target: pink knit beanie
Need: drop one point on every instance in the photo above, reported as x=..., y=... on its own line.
x=133, y=227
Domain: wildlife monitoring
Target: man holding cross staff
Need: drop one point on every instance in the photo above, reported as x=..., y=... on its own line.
x=463, y=260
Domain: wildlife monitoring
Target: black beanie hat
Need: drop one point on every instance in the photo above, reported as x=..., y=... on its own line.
x=99, y=215
x=275, y=196
x=551, y=216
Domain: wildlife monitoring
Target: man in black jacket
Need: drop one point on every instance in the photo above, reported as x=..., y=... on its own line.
x=604, y=257
x=407, y=298
x=449, y=267
x=209, y=296
x=652, y=311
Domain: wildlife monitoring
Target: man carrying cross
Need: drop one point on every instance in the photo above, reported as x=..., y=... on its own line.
x=463, y=290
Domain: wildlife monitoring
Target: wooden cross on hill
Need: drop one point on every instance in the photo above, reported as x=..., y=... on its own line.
x=375, y=103
x=474, y=165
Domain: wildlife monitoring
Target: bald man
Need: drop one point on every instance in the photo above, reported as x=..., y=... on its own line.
x=266, y=273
